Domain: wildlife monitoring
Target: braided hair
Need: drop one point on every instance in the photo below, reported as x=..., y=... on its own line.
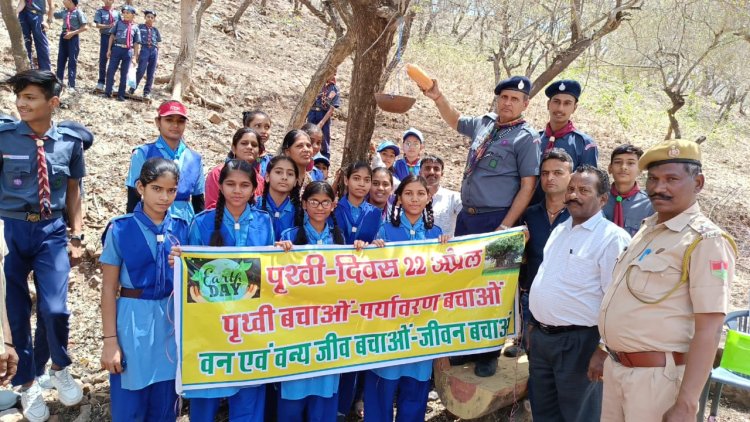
x=232, y=165
x=312, y=189
x=294, y=195
x=238, y=136
x=427, y=214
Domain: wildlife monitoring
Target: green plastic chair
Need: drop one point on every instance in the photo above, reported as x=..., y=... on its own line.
x=737, y=321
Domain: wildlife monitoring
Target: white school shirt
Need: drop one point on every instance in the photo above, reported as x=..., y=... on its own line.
x=446, y=204
x=576, y=271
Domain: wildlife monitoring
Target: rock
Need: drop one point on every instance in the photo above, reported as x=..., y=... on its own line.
x=232, y=125
x=215, y=119
x=85, y=414
x=100, y=378
x=11, y=415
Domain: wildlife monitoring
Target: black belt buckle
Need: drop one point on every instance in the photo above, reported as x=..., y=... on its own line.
x=33, y=217
x=613, y=355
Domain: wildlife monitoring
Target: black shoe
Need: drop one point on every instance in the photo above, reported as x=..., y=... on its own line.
x=131, y=91
x=105, y=95
x=485, y=368
x=120, y=98
x=513, y=351
x=459, y=360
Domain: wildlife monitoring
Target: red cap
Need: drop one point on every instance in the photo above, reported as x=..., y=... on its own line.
x=171, y=108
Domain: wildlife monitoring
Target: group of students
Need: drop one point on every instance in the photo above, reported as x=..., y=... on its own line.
x=252, y=199
x=121, y=42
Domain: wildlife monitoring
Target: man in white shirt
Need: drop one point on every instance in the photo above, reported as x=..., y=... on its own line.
x=446, y=203
x=565, y=299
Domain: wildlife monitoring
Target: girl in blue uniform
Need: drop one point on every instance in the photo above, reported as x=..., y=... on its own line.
x=234, y=222
x=381, y=191
x=139, y=346
x=359, y=219
x=261, y=123
x=281, y=194
x=312, y=399
x=411, y=219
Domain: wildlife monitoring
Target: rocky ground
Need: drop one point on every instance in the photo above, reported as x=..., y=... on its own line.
x=267, y=66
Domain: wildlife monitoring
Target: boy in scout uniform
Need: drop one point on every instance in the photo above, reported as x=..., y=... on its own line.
x=104, y=19
x=322, y=111
x=501, y=169
x=31, y=15
x=628, y=204
x=560, y=132
x=147, y=59
x=661, y=319
x=74, y=22
x=40, y=178
x=124, y=45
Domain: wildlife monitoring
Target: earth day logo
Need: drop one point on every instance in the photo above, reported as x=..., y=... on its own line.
x=224, y=280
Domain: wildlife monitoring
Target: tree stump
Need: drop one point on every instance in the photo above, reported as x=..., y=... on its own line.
x=469, y=397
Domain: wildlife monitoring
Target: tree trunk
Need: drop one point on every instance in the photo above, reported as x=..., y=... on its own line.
x=430, y=22
x=8, y=9
x=559, y=63
x=341, y=49
x=408, y=21
x=234, y=20
x=678, y=100
x=190, y=26
x=463, y=35
x=373, y=33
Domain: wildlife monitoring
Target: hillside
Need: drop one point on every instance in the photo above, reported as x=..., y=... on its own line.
x=268, y=65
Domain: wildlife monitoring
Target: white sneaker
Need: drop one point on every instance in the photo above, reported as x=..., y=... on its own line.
x=34, y=407
x=45, y=381
x=71, y=91
x=100, y=87
x=68, y=390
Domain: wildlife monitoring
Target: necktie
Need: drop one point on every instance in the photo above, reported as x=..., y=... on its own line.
x=619, y=216
x=67, y=19
x=45, y=206
x=148, y=36
x=163, y=246
x=557, y=135
x=129, y=36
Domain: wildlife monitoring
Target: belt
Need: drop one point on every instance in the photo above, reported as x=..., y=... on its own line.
x=33, y=217
x=125, y=46
x=482, y=210
x=645, y=359
x=552, y=329
x=130, y=293
x=34, y=11
x=318, y=109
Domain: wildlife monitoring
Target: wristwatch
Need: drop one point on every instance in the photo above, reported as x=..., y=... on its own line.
x=78, y=237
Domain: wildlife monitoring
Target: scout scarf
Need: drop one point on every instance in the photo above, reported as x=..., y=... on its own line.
x=557, y=135
x=315, y=238
x=497, y=132
x=147, y=272
x=619, y=216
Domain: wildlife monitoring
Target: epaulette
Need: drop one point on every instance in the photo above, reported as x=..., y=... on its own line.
x=69, y=132
x=705, y=228
x=6, y=126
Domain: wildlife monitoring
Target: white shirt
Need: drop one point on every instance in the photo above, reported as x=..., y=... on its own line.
x=576, y=271
x=446, y=204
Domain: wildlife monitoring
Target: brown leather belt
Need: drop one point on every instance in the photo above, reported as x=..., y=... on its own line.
x=130, y=293
x=645, y=359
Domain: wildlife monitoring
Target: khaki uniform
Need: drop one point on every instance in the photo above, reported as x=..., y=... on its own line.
x=646, y=272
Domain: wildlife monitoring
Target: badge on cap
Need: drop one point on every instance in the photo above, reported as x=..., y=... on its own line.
x=673, y=152
x=520, y=85
x=562, y=86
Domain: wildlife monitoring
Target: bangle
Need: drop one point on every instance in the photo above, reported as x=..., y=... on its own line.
x=106, y=337
x=9, y=344
x=504, y=227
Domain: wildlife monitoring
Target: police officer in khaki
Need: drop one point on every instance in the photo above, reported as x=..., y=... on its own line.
x=661, y=318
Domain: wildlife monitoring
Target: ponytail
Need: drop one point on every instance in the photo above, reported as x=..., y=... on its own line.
x=216, y=238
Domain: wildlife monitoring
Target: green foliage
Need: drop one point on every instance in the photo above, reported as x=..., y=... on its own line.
x=506, y=250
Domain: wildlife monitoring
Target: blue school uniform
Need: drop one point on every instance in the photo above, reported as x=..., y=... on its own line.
x=327, y=98
x=253, y=228
x=104, y=16
x=148, y=56
x=263, y=161
x=282, y=215
x=37, y=243
x=311, y=399
x=67, y=52
x=317, y=175
x=409, y=382
x=146, y=389
x=31, y=19
x=357, y=223
x=192, y=180
x=126, y=36
x=401, y=168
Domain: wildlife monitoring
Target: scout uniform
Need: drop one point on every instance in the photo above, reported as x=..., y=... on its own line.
x=73, y=20
x=126, y=36
x=144, y=331
x=327, y=98
x=36, y=236
x=282, y=215
x=357, y=223
x=647, y=315
x=149, y=55
x=104, y=16
x=32, y=18
x=402, y=167
x=635, y=208
x=253, y=228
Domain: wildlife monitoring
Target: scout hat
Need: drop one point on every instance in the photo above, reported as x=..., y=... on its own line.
x=389, y=144
x=170, y=108
x=514, y=83
x=320, y=158
x=565, y=86
x=413, y=132
x=672, y=151
x=128, y=8
x=149, y=12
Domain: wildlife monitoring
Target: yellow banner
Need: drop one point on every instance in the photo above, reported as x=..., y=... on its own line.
x=256, y=315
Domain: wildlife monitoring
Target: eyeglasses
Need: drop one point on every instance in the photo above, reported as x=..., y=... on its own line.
x=313, y=203
x=408, y=145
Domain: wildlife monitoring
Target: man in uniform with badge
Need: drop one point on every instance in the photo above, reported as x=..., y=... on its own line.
x=501, y=169
x=661, y=318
